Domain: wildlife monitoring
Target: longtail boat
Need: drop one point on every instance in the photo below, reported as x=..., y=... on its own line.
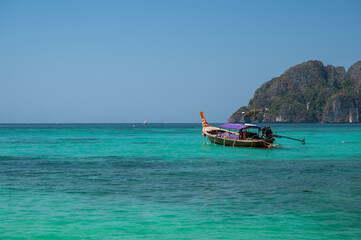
x=248, y=135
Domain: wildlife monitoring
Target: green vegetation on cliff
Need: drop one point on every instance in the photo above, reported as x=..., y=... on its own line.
x=309, y=92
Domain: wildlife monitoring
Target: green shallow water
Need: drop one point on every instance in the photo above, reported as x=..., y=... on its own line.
x=162, y=181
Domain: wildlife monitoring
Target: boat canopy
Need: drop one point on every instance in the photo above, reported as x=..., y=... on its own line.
x=239, y=126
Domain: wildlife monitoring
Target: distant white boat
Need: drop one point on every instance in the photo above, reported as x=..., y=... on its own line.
x=145, y=122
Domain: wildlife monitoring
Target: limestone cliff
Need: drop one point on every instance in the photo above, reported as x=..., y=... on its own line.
x=309, y=92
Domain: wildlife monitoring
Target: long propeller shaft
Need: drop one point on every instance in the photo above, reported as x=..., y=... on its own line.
x=303, y=141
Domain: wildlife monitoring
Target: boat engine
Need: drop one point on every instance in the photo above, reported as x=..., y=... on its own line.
x=268, y=134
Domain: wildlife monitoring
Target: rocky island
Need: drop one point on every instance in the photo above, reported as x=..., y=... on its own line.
x=309, y=93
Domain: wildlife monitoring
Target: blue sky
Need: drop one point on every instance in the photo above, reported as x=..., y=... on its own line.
x=160, y=61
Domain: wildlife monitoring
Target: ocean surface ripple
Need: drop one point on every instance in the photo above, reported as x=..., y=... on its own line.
x=163, y=181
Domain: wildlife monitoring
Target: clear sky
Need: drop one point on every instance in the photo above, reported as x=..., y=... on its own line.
x=160, y=61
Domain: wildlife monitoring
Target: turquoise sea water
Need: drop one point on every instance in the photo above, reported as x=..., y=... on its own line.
x=162, y=181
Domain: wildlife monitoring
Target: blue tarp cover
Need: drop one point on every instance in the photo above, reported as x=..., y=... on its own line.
x=238, y=126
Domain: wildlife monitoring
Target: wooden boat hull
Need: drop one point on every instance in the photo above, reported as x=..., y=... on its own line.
x=213, y=135
x=240, y=143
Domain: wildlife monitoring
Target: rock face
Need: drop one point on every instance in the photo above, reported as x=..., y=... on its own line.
x=309, y=92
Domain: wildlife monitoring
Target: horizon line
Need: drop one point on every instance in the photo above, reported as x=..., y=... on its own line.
x=142, y=123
